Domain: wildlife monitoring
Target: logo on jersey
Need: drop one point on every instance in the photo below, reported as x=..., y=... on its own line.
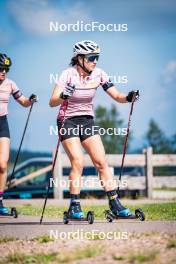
x=7, y=62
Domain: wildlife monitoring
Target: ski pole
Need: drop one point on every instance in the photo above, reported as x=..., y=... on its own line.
x=53, y=166
x=19, y=149
x=48, y=187
x=126, y=139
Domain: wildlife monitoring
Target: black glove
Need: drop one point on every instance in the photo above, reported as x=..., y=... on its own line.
x=33, y=98
x=67, y=92
x=133, y=95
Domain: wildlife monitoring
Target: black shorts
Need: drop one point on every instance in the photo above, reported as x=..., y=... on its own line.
x=4, y=127
x=78, y=126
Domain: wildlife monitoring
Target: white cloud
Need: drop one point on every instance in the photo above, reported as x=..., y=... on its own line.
x=169, y=72
x=34, y=16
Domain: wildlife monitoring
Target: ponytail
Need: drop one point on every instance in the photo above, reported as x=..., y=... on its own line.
x=74, y=61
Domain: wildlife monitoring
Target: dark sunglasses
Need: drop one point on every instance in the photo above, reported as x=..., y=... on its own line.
x=92, y=58
x=4, y=69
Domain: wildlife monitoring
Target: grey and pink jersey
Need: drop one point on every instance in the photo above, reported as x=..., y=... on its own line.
x=81, y=102
x=7, y=88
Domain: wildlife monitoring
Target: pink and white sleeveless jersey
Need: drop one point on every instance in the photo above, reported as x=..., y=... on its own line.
x=81, y=102
x=7, y=87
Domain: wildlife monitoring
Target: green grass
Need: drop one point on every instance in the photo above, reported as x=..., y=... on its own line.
x=21, y=258
x=138, y=257
x=165, y=211
x=165, y=189
x=142, y=257
x=46, y=258
x=118, y=257
x=43, y=239
x=87, y=252
x=171, y=243
x=5, y=239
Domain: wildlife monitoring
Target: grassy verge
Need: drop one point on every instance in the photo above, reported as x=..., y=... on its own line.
x=43, y=239
x=139, y=257
x=159, y=248
x=5, y=239
x=143, y=256
x=165, y=211
x=171, y=243
x=53, y=257
x=168, y=189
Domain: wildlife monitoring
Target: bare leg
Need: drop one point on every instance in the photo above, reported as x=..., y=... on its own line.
x=73, y=149
x=4, y=157
x=95, y=149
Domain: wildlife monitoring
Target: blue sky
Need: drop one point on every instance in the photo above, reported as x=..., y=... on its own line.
x=145, y=53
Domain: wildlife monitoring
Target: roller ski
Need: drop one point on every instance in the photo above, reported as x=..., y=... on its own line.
x=4, y=211
x=76, y=214
x=118, y=211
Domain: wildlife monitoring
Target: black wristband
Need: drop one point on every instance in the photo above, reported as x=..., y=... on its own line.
x=133, y=95
x=33, y=98
x=129, y=97
x=63, y=97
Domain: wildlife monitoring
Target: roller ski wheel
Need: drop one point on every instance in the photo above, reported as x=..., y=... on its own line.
x=9, y=212
x=14, y=212
x=90, y=217
x=109, y=216
x=65, y=218
x=140, y=214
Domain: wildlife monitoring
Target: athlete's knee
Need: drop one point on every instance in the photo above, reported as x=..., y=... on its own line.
x=3, y=166
x=101, y=164
x=78, y=164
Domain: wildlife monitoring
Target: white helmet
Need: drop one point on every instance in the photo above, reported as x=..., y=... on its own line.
x=85, y=47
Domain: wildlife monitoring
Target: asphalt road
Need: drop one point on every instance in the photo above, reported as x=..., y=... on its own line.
x=29, y=227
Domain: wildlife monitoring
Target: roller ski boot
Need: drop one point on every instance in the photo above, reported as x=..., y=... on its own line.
x=4, y=211
x=75, y=213
x=118, y=211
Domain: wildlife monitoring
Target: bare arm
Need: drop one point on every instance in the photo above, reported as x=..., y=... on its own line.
x=116, y=95
x=55, y=99
x=24, y=101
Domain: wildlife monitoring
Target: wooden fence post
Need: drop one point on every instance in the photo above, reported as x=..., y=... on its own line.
x=149, y=172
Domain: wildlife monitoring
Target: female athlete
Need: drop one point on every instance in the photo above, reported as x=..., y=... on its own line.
x=7, y=88
x=75, y=91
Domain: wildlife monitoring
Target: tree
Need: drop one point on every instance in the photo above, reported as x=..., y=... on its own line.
x=110, y=118
x=173, y=143
x=157, y=139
